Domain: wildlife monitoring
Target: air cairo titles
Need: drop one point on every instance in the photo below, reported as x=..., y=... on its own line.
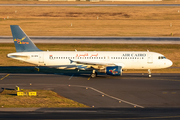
x=134, y=55
x=96, y=55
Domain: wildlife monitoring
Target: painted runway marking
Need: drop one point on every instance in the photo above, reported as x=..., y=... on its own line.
x=5, y=76
x=109, y=95
x=89, y=78
x=71, y=77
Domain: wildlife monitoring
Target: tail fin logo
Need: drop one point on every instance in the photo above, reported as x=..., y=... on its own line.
x=19, y=41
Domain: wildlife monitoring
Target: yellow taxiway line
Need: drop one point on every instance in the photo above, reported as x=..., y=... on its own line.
x=5, y=76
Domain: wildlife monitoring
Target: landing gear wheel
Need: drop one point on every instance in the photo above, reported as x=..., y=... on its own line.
x=149, y=71
x=93, y=75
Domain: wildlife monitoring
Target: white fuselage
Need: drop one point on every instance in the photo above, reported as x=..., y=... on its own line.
x=126, y=59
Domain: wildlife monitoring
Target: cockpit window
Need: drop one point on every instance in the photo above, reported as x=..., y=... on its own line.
x=161, y=57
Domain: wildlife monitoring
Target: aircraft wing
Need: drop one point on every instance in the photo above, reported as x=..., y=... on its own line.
x=87, y=65
x=92, y=63
x=96, y=65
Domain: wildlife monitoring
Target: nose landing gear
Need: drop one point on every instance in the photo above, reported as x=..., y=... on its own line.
x=149, y=72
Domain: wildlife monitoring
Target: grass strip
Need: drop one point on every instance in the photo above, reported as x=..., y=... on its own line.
x=91, y=21
x=44, y=98
x=87, y=2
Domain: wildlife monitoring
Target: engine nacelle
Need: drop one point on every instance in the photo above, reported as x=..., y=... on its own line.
x=114, y=70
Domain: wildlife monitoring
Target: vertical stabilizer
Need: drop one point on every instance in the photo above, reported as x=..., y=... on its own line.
x=22, y=42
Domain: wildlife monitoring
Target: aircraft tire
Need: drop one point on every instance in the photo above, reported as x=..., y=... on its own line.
x=93, y=75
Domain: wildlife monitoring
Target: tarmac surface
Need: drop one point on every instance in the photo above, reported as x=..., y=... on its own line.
x=100, y=39
x=95, y=113
x=132, y=95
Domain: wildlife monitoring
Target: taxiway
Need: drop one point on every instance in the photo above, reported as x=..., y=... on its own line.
x=127, y=91
x=98, y=40
x=131, y=96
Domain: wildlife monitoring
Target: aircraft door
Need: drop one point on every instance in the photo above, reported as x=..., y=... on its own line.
x=41, y=58
x=150, y=58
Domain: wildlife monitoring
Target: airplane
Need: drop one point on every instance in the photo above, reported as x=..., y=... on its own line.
x=109, y=62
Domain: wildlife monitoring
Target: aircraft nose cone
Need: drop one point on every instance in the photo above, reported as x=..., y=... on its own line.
x=170, y=63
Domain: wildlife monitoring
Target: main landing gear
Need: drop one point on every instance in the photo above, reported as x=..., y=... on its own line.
x=94, y=74
x=149, y=72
